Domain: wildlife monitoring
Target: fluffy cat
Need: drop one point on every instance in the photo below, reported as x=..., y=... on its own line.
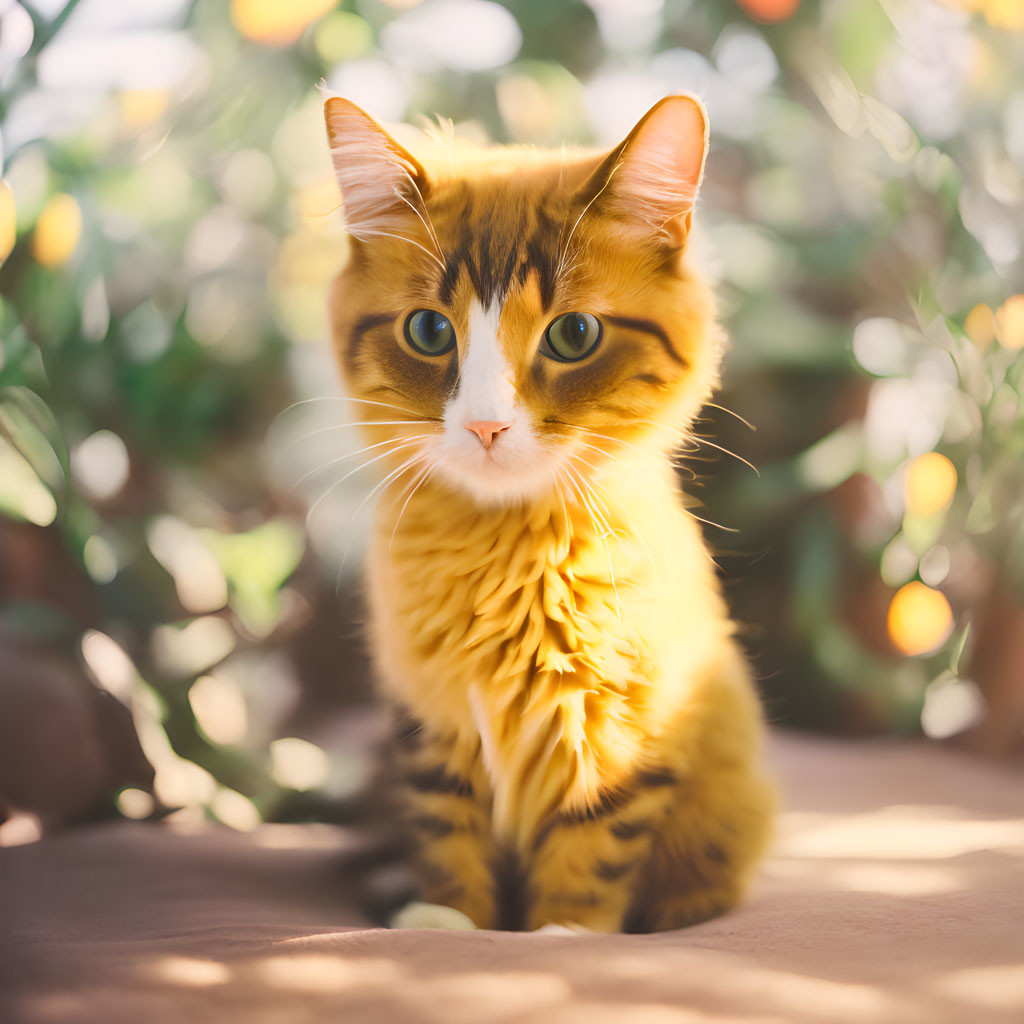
x=522, y=332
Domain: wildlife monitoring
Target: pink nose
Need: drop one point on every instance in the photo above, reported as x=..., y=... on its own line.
x=487, y=430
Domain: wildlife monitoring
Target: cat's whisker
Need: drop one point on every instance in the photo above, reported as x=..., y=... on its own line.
x=340, y=398
x=386, y=482
x=603, y=537
x=373, y=233
x=352, y=398
x=559, y=487
x=351, y=455
x=609, y=530
x=739, y=458
x=426, y=227
x=325, y=213
x=745, y=422
x=595, y=448
x=418, y=481
x=605, y=437
x=639, y=451
x=357, y=469
x=592, y=486
x=430, y=227
x=565, y=248
x=708, y=522
x=360, y=423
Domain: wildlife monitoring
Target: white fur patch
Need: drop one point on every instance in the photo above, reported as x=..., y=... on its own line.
x=516, y=466
x=486, y=391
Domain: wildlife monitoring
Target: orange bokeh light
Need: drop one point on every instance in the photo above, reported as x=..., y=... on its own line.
x=920, y=619
x=8, y=221
x=57, y=232
x=770, y=10
x=980, y=325
x=1010, y=322
x=930, y=484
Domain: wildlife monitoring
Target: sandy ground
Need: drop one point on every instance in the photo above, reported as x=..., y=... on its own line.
x=895, y=893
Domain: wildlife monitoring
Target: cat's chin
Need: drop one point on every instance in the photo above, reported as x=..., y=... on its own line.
x=493, y=483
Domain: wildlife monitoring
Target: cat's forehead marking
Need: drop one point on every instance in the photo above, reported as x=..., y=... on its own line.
x=499, y=237
x=485, y=388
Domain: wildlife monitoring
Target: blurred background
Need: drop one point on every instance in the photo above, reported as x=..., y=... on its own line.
x=176, y=633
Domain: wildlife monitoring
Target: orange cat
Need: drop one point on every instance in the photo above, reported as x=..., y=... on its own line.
x=522, y=328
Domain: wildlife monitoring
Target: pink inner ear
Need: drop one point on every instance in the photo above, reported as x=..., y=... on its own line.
x=684, y=124
x=663, y=161
x=373, y=171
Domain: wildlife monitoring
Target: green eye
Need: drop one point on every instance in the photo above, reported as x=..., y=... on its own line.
x=571, y=337
x=430, y=332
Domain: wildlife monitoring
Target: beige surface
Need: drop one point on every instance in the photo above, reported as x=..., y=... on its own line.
x=896, y=893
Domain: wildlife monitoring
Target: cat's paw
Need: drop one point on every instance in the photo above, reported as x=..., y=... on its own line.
x=562, y=929
x=432, y=915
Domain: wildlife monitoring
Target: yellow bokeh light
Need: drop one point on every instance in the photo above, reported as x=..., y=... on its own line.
x=980, y=325
x=141, y=107
x=8, y=220
x=1010, y=322
x=1008, y=14
x=920, y=619
x=930, y=484
x=275, y=23
x=58, y=230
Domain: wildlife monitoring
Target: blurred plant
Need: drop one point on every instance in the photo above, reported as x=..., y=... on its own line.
x=168, y=225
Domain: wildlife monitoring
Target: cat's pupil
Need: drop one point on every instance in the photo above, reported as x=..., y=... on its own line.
x=433, y=326
x=430, y=332
x=577, y=329
x=573, y=336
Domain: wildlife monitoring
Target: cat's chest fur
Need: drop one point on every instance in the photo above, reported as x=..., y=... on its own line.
x=541, y=640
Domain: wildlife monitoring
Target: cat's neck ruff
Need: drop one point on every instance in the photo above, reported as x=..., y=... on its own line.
x=514, y=627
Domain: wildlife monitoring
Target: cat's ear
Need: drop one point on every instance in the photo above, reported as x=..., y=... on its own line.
x=654, y=174
x=379, y=179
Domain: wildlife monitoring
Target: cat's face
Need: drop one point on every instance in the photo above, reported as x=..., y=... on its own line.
x=522, y=317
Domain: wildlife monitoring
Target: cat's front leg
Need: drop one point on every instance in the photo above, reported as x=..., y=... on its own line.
x=447, y=818
x=586, y=863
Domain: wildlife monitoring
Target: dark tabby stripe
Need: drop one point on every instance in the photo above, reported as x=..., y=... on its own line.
x=627, y=830
x=500, y=244
x=613, y=872
x=407, y=728
x=574, y=899
x=509, y=892
x=437, y=780
x=648, y=327
x=652, y=778
x=432, y=825
x=359, y=331
x=608, y=802
x=716, y=854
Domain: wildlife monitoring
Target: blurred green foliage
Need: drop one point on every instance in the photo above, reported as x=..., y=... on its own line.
x=169, y=213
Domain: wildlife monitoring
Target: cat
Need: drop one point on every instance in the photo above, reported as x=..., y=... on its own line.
x=528, y=345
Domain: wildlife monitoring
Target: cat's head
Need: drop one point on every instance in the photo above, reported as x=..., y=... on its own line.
x=530, y=314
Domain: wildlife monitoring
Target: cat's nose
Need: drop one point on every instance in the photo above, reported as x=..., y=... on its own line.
x=488, y=430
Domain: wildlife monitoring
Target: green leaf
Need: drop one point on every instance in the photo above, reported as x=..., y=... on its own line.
x=959, y=643
x=31, y=429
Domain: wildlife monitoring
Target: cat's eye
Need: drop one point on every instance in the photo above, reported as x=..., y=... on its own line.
x=430, y=332
x=571, y=336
